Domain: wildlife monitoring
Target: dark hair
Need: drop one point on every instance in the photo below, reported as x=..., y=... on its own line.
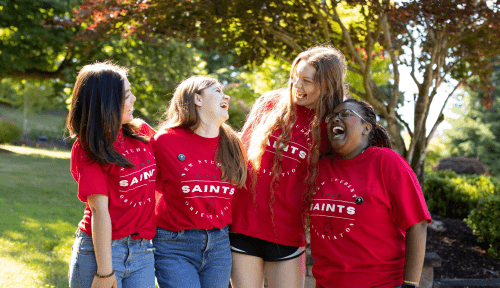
x=96, y=112
x=182, y=113
x=378, y=135
x=261, y=123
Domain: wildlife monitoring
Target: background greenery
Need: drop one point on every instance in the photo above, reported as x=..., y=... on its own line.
x=39, y=215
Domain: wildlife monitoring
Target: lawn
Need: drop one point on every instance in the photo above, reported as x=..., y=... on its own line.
x=44, y=122
x=39, y=213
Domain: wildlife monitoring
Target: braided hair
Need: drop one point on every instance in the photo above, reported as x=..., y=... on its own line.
x=378, y=135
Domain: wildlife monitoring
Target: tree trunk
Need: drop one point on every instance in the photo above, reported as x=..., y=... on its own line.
x=25, y=127
x=418, y=160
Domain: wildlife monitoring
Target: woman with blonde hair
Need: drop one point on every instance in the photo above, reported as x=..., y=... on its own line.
x=200, y=164
x=283, y=136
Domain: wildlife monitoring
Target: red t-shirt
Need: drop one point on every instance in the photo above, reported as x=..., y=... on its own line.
x=255, y=221
x=190, y=193
x=130, y=190
x=363, y=245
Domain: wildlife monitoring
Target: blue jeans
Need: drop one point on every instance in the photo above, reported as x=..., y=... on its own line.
x=133, y=261
x=193, y=258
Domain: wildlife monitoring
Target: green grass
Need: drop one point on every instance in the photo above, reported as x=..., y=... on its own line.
x=39, y=213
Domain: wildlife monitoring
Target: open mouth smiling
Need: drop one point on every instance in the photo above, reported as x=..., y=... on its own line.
x=338, y=132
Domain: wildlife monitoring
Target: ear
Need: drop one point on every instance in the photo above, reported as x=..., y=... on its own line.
x=367, y=129
x=197, y=100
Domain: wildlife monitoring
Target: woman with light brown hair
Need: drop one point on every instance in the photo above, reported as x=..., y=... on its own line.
x=283, y=136
x=200, y=164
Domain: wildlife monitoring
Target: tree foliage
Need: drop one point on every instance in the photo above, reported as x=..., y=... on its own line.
x=33, y=35
x=476, y=131
x=446, y=42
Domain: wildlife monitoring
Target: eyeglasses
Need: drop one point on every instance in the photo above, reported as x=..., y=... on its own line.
x=343, y=114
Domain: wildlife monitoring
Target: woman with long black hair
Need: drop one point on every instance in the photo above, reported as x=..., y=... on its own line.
x=114, y=165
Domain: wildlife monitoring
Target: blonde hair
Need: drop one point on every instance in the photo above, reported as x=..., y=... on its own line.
x=182, y=113
x=275, y=110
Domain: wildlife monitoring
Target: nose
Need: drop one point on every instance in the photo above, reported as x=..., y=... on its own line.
x=336, y=118
x=226, y=97
x=133, y=98
x=295, y=83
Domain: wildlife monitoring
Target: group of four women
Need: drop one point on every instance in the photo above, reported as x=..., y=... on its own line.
x=195, y=205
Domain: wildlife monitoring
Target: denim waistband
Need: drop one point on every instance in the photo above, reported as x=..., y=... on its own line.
x=80, y=233
x=199, y=230
x=213, y=229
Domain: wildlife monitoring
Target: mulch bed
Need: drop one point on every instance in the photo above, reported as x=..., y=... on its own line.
x=461, y=256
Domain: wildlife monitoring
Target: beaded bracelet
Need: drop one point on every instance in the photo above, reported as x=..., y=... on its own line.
x=105, y=276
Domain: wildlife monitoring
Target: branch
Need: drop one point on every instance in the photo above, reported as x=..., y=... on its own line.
x=41, y=74
x=441, y=115
x=387, y=39
x=434, y=128
x=407, y=126
x=324, y=23
x=313, y=39
x=263, y=45
x=412, y=73
x=356, y=92
x=347, y=36
x=282, y=35
x=354, y=69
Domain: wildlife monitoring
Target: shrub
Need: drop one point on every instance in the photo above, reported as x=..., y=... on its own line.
x=9, y=131
x=451, y=195
x=463, y=165
x=33, y=133
x=484, y=220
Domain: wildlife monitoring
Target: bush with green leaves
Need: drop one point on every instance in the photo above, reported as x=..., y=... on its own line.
x=484, y=220
x=9, y=131
x=451, y=195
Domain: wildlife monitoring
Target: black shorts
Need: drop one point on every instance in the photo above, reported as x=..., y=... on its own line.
x=268, y=251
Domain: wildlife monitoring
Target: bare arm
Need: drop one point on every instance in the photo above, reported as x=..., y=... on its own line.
x=101, y=237
x=416, y=236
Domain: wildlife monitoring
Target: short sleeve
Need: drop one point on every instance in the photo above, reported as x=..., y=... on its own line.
x=87, y=173
x=407, y=198
x=162, y=162
x=147, y=130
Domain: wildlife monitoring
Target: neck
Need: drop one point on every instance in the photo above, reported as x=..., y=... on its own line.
x=352, y=155
x=207, y=130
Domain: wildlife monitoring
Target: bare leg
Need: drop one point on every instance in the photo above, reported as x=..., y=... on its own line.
x=287, y=274
x=247, y=271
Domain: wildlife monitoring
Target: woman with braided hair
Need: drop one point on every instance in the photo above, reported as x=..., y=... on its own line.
x=283, y=136
x=368, y=213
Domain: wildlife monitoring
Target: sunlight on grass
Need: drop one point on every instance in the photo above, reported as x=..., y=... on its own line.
x=39, y=213
x=10, y=276
x=38, y=151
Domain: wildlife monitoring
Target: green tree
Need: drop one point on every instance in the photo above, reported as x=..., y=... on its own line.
x=444, y=41
x=156, y=66
x=33, y=37
x=476, y=131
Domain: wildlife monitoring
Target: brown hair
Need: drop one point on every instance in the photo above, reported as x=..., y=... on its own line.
x=264, y=120
x=96, y=112
x=182, y=113
x=378, y=135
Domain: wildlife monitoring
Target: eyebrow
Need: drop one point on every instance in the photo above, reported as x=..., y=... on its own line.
x=298, y=75
x=126, y=91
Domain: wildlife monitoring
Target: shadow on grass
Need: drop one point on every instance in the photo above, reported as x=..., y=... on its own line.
x=39, y=212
